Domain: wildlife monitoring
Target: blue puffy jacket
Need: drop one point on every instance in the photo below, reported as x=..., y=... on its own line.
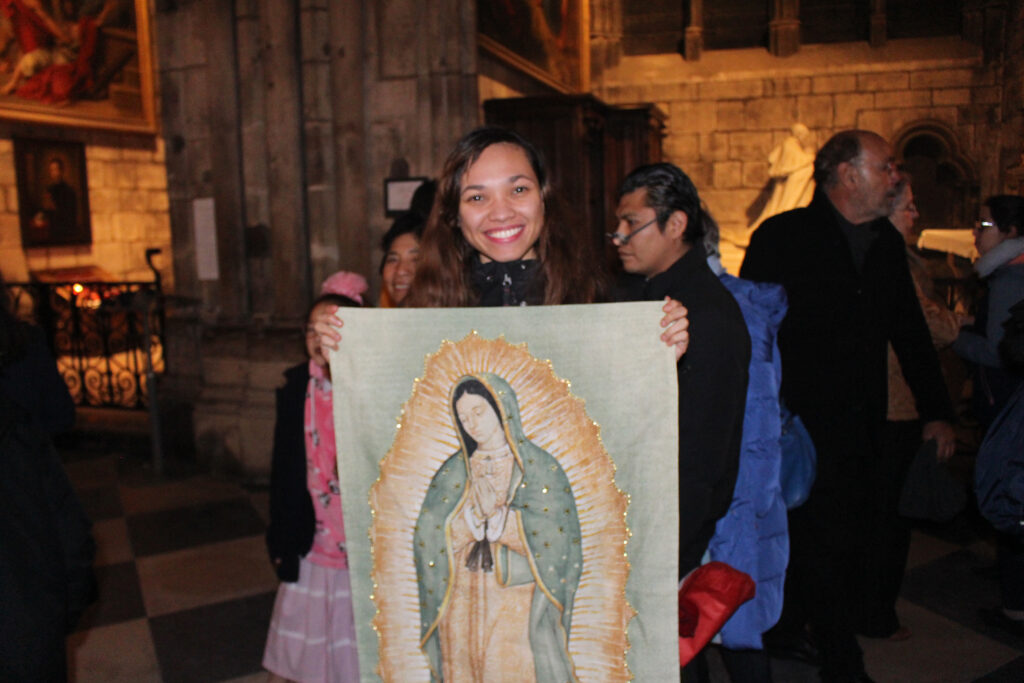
x=999, y=469
x=753, y=536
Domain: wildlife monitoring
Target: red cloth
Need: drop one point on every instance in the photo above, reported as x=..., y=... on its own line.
x=707, y=598
x=29, y=30
x=62, y=83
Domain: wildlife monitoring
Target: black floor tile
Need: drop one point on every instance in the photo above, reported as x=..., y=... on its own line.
x=213, y=643
x=1011, y=673
x=169, y=530
x=120, y=597
x=101, y=502
x=964, y=529
x=952, y=587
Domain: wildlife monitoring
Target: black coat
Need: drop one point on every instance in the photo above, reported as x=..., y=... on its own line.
x=34, y=384
x=834, y=339
x=292, y=519
x=46, y=553
x=712, y=394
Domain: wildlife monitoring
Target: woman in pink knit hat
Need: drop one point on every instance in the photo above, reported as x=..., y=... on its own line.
x=312, y=631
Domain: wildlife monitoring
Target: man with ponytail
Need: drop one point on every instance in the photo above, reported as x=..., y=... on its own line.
x=659, y=234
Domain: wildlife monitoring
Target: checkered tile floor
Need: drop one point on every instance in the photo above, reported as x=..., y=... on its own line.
x=186, y=590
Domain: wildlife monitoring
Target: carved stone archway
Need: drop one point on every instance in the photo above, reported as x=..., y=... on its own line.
x=945, y=181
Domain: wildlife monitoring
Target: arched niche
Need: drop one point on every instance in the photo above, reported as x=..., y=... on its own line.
x=944, y=180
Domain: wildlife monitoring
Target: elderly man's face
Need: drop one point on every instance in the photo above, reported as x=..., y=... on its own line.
x=877, y=178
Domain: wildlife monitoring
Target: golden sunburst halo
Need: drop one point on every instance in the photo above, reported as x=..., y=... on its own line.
x=555, y=420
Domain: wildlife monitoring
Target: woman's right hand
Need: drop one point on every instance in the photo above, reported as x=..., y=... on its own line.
x=677, y=334
x=328, y=326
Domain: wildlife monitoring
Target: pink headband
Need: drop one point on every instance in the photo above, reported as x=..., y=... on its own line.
x=347, y=284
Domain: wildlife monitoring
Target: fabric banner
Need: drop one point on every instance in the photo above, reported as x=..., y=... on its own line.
x=509, y=484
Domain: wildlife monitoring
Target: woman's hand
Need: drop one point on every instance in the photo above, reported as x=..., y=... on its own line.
x=327, y=325
x=677, y=326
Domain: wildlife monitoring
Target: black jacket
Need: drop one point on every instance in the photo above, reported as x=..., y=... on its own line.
x=712, y=394
x=34, y=384
x=46, y=553
x=292, y=520
x=834, y=339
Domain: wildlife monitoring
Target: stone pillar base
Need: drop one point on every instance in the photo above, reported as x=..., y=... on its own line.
x=784, y=37
x=692, y=44
x=878, y=34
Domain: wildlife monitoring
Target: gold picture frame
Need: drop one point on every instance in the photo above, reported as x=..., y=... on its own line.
x=545, y=39
x=81, y=65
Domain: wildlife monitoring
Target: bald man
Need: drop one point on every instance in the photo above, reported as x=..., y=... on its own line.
x=850, y=294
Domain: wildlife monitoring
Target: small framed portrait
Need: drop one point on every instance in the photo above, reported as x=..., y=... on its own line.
x=53, y=193
x=398, y=193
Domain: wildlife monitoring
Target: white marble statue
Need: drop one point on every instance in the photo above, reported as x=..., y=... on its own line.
x=791, y=171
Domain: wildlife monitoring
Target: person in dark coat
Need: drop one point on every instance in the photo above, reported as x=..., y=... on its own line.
x=28, y=373
x=659, y=240
x=999, y=484
x=850, y=293
x=290, y=533
x=46, y=546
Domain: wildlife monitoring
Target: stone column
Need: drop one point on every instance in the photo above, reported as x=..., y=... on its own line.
x=198, y=94
x=605, y=36
x=282, y=99
x=972, y=16
x=693, y=34
x=877, y=31
x=421, y=89
x=784, y=28
x=994, y=30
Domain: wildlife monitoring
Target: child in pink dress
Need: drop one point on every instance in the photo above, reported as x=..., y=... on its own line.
x=312, y=632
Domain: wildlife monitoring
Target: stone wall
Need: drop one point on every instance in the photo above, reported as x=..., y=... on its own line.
x=727, y=111
x=1012, y=151
x=290, y=115
x=129, y=213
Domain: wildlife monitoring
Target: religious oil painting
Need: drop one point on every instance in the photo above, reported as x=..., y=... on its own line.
x=80, y=63
x=498, y=530
x=53, y=193
x=547, y=39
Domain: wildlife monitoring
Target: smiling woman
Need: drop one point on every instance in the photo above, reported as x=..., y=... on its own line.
x=401, y=247
x=496, y=237
x=501, y=209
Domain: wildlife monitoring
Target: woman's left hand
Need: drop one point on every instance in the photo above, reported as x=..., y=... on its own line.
x=676, y=324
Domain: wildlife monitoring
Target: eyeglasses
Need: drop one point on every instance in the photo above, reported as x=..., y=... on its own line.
x=624, y=239
x=984, y=225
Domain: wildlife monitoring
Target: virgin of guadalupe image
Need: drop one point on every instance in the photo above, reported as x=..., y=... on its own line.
x=498, y=532
x=497, y=547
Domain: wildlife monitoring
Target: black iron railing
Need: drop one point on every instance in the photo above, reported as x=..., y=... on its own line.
x=104, y=335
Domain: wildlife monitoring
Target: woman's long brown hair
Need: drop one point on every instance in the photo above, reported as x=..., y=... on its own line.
x=572, y=272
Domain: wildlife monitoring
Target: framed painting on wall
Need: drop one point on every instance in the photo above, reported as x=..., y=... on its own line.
x=80, y=63
x=546, y=39
x=53, y=193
